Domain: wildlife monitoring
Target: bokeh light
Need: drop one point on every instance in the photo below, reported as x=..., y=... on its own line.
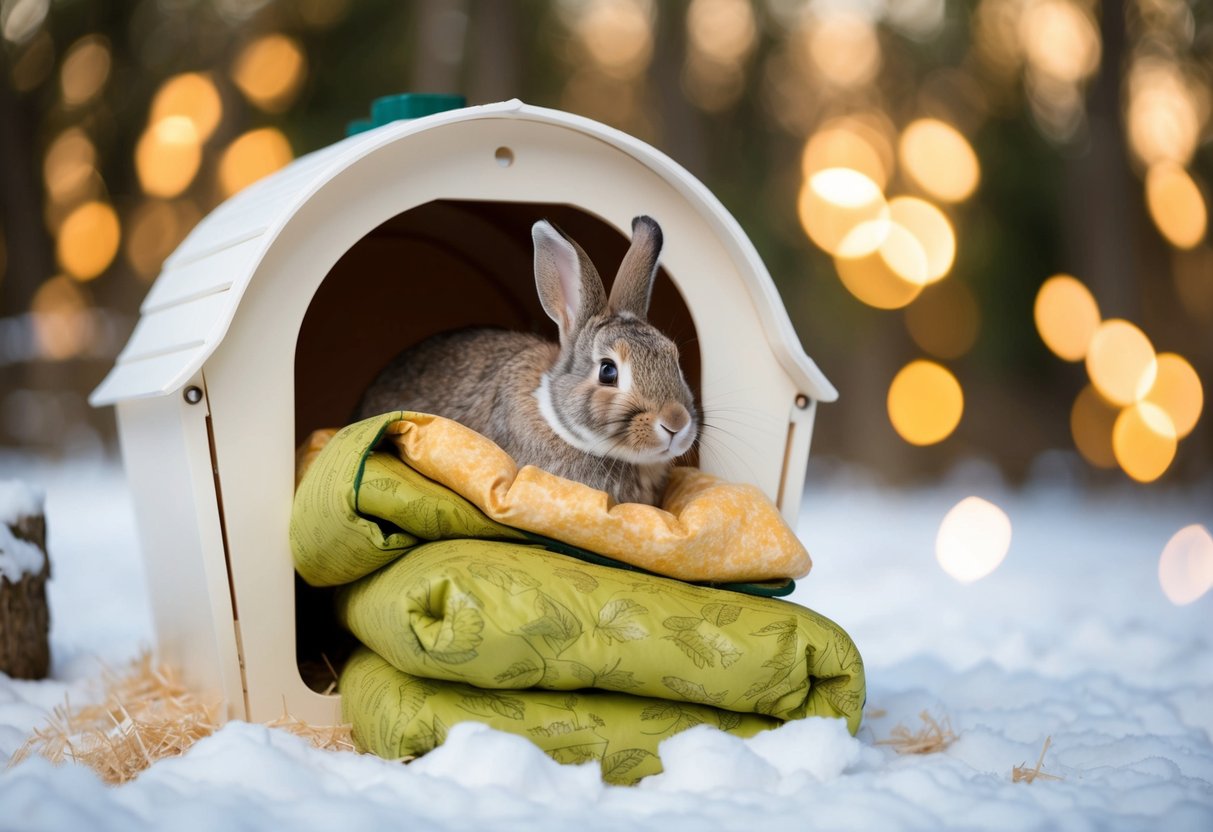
x=617, y=35
x=1060, y=39
x=920, y=19
x=86, y=68
x=852, y=144
x=88, y=240
x=167, y=156
x=721, y=34
x=723, y=31
x=1176, y=204
x=925, y=403
x=154, y=229
x=1091, y=422
x=1121, y=362
x=973, y=539
x=1164, y=116
x=1185, y=570
x=1177, y=390
x=252, y=156
x=1144, y=441
x=939, y=160
x=192, y=95
x=843, y=48
x=931, y=229
x=890, y=277
x=34, y=64
x=1067, y=316
x=834, y=202
x=63, y=322
x=69, y=167
x=944, y=320
x=270, y=71
x=20, y=19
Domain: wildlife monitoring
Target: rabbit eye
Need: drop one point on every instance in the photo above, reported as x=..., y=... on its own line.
x=608, y=373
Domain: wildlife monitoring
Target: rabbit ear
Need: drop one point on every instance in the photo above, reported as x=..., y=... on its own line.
x=634, y=284
x=569, y=286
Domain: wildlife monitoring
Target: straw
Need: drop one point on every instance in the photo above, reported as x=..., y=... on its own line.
x=146, y=714
x=1028, y=775
x=934, y=736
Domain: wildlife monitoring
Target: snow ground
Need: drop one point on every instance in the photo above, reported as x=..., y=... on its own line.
x=1071, y=637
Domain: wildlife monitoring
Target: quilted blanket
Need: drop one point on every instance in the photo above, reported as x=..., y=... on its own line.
x=465, y=616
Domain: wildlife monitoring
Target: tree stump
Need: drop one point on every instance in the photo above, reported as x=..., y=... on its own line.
x=24, y=569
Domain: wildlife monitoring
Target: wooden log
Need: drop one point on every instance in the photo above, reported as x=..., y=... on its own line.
x=24, y=570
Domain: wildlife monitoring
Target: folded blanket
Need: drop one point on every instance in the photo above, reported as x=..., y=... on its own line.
x=397, y=716
x=465, y=617
x=708, y=530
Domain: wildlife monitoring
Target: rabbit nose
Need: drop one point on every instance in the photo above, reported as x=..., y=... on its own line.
x=674, y=417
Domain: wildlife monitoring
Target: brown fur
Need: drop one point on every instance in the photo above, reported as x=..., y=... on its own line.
x=489, y=380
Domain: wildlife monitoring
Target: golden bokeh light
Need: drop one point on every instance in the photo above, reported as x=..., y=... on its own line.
x=939, y=160
x=1066, y=316
x=1144, y=441
x=1176, y=204
x=618, y=35
x=88, y=240
x=843, y=47
x=192, y=95
x=890, y=277
x=1177, y=390
x=1185, y=569
x=167, y=156
x=925, y=403
x=154, y=230
x=834, y=202
x=1163, y=117
x=723, y=31
x=721, y=34
x=69, y=166
x=996, y=35
x=973, y=539
x=840, y=147
x=1091, y=423
x=1121, y=362
x=1060, y=39
x=86, y=68
x=931, y=228
x=34, y=64
x=252, y=156
x=944, y=320
x=63, y=323
x=270, y=71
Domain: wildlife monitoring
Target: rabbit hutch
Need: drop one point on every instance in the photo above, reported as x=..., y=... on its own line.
x=284, y=303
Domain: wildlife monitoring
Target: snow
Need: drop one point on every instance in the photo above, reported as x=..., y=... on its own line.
x=1070, y=636
x=19, y=499
x=18, y=557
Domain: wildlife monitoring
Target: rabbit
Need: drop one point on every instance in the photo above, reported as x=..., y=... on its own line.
x=607, y=406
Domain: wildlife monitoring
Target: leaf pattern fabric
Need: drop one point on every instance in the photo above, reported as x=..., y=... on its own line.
x=463, y=617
